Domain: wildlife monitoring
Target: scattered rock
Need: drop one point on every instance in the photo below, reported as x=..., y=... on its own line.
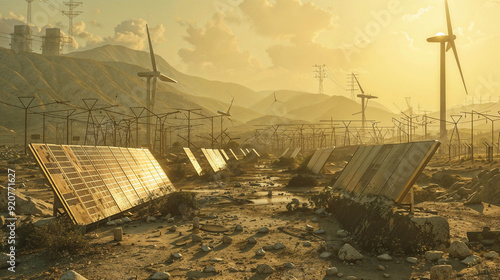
x=160, y=275
x=384, y=257
x=268, y=248
x=491, y=255
x=443, y=261
x=332, y=271
x=173, y=228
x=471, y=260
x=441, y=272
x=264, y=269
x=196, y=238
x=381, y=267
x=309, y=228
x=196, y=223
x=411, y=260
x=233, y=269
x=171, y=220
x=111, y=223
x=315, y=220
x=459, y=250
x=25, y=204
x=320, y=231
x=212, y=216
x=177, y=256
x=238, y=228
x=325, y=255
x=278, y=246
x=320, y=211
x=118, y=234
x=252, y=240
x=227, y=240
x=126, y=220
x=341, y=233
x=349, y=254
x=351, y=278
x=387, y=275
x=39, y=223
x=216, y=260
x=307, y=244
x=210, y=269
x=72, y=275
x=433, y=256
x=260, y=252
x=150, y=219
x=206, y=248
x=289, y=265
x=264, y=230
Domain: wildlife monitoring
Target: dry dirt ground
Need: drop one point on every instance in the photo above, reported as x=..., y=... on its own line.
x=147, y=247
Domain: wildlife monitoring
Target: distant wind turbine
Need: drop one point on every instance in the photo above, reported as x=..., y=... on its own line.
x=275, y=98
x=151, y=94
x=228, y=113
x=447, y=42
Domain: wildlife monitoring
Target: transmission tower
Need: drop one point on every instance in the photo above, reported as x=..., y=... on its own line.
x=320, y=74
x=28, y=17
x=71, y=14
x=352, y=85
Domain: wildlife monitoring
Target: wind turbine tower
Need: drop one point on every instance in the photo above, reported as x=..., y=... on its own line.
x=364, y=102
x=446, y=42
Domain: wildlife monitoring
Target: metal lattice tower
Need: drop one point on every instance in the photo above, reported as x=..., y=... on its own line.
x=320, y=74
x=28, y=17
x=71, y=14
x=352, y=86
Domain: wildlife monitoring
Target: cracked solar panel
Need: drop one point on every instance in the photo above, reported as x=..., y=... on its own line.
x=220, y=159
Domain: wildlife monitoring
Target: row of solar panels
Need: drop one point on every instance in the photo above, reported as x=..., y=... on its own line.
x=216, y=158
x=319, y=159
x=93, y=183
x=293, y=154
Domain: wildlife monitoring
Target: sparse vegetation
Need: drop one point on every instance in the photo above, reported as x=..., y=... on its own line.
x=177, y=204
x=284, y=162
x=302, y=181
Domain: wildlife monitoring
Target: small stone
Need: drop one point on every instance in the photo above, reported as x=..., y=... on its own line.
x=309, y=228
x=491, y=255
x=381, y=267
x=307, y=244
x=384, y=257
x=320, y=231
x=264, y=269
x=126, y=220
x=118, y=234
x=212, y=216
x=160, y=275
x=206, y=248
x=332, y=271
x=320, y=211
x=233, y=269
x=238, y=228
x=351, y=278
x=72, y=275
x=459, y=250
x=411, y=260
x=289, y=265
x=227, y=240
x=387, y=275
x=150, y=219
x=196, y=238
x=341, y=233
x=210, y=269
x=325, y=255
x=349, y=254
x=196, y=223
x=172, y=228
x=111, y=223
x=252, y=240
x=441, y=272
x=216, y=260
x=278, y=246
x=260, y=252
x=170, y=220
x=443, y=261
x=177, y=256
x=315, y=220
x=433, y=256
x=264, y=230
x=340, y=275
x=471, y=260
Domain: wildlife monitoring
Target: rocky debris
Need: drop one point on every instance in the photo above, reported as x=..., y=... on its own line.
x=341, y=233
x=171, y=220
x=227, y=240
x=307, y=244
x=443, y=261
x=252, y=240
x=384, y=257
x=160, y=275
x=177, y=256
x=173, y=228
x=349, y=254
x=351, y=278
x=126, y=220
x=381, y=267
x=25, y=205
x=260, y=252
x=309, y=228
x=111, y=223
x=210, y=269
x=264, y=269
x=332, y=271
x=72, y=275
x=41, y=222
x=2, y=221
x=411, y=260
x=433, y=256
x=441, y=272
x=485, y=187
x=320, y=211
x=278, y=246
x=196, y=223
x=216, y=260
x=459, y=250
x=206, y=248
x=212, y=216
x=471, y=260
x=491, y=255
x=238, y=228
x=150, y=219
x=195, y=238
x=320, y=231
x=264, y=230
x=289, y=265
x=315, y=220
x=233, y=269
x=118, y=234
x=325, y=255
x=386, y=275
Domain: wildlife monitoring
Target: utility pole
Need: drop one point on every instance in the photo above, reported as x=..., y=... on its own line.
x=71, y=14
x=26, y=102
x=28, y=18
x=320, y=75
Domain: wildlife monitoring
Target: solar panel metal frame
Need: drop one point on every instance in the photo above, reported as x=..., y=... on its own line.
x=193, y=160
x=226, y=157
x=295, y=153
x=314, y=158
x=93, y=183
x=255, y=151
x=234, y=154
x=321, y=161
x=243, y=152
x=285, y=152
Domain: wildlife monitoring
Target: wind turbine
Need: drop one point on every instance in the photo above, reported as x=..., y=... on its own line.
x=364, y=102
x=275, y=98
x=447, y=42
x=151, y=94
x=228, y=113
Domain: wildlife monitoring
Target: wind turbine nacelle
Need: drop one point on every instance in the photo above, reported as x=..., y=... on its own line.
x=223, y=113
x=146, y=74
x=441, y=38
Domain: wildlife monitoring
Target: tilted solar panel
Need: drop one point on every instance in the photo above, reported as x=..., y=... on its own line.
x=194, y=162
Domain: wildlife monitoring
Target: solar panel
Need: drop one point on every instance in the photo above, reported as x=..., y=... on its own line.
x=216, y=159
x=322, y=159
x=234, y=155
x=194, y=162
x=243, y=152
x=224, y=154
x=285, y=152
x=248, y=151
x=295, y=153
x=93, y=183
x=314, y=158
x=389, y=170
x=220, y=159
x=256, y=152
x=211, y=161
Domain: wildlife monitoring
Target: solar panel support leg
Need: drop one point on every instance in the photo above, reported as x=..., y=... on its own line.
x=57, y=205
x=412, y=200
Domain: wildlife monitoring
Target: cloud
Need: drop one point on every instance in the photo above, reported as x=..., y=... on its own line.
x=95, y=23
x=420, y=12
x=409, y=39
x=215, y=52
x=97, y=11
x=80, y=32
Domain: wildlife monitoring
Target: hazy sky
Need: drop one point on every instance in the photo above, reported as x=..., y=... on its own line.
x=273, y=44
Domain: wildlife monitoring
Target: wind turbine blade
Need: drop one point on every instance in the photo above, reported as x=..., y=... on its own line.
x=454, y=47
x=448, y=19
x=164, y=78
x=230, y=105
x=448, y=46
x=151, y=52
x=153, y=94
x=359, y=85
